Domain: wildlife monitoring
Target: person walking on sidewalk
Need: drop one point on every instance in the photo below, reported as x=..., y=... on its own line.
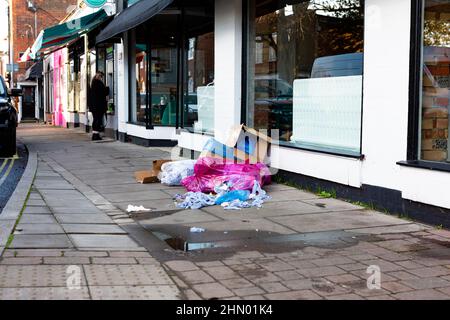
x=98, y=104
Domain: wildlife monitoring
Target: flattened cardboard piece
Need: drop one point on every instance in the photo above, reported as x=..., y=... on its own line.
x=145, y=177
x=150, y=176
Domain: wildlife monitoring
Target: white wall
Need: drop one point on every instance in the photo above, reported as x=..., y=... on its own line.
x=386, y=89
x=122, y=85
x=228, y=62
x=385, y=111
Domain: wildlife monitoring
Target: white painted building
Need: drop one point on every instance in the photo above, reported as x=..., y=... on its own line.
x=359, y=92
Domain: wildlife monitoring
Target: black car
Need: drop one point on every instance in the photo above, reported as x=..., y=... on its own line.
x=8, y=120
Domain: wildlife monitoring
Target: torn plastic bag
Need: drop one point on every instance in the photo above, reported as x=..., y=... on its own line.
x=212, y=172
x=241, y=195
x=172, y=173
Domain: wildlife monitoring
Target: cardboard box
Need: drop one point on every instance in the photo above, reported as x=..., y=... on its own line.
x=244, y=144
x=150, y=176
x=249, y=144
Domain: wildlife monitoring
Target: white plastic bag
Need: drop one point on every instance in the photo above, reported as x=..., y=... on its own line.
x=172, y=173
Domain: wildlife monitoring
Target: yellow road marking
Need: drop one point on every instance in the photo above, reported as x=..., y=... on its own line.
x=5, y=161
x=7, y=172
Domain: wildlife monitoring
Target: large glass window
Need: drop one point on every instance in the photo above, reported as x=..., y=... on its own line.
x=139, y=84
x=172, y=83
x=164, y=70
x=435, y=82
x=305, y=67
x=199, y=89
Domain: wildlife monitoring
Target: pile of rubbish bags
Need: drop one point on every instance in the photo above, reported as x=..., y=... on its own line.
x=230, y=175
x=173, y=173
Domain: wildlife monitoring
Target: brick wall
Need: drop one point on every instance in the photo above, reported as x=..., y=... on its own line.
x=50, y=12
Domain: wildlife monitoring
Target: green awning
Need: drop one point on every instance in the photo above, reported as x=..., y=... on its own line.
x=61, y=34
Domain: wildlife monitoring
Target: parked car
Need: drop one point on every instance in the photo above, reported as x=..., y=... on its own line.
x=8, y=120
x=342, y=65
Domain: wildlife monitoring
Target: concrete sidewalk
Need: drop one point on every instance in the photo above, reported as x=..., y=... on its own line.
x=299, y=246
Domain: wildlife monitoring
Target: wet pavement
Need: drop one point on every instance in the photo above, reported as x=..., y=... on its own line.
x=299, y=246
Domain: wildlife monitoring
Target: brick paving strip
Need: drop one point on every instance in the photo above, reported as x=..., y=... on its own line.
x=75, y=217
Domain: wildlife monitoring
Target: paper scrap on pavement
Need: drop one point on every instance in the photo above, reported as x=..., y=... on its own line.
x=197, y=230
x=132, y=208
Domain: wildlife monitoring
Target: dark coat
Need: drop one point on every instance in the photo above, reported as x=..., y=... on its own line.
x=97, y=97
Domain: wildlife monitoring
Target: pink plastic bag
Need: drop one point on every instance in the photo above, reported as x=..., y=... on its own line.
x=212, y=172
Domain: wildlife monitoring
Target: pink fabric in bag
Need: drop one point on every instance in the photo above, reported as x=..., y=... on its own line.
x=212, y=172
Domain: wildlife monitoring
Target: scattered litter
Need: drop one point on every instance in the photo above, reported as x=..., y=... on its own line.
x=236, y=205
x=196, y=200
x=229, y=200
x=197, y=230
x=172, y=173
x=241, y=195
x=132, y=208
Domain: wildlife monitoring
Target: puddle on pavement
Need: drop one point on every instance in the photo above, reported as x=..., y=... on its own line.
x=265, y=241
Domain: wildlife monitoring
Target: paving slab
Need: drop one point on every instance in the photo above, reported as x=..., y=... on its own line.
x=35, y=203
x=128, y=275
x=269, y=209
x=182, y=217
x=76, y=210
x=156, y=292
x=53, y=184
x=39, y=228
x=48, y=293
x=105, y=241
x=258, y=225
x=83, y=218
x=37, y=210
x=333, y=204
x=62, y=194
x=37, y=218
x=6, y=227
x=35, y=276
x=284, y=195
x=337, y=221
x=28, y=241
x=137, y=196
x=93, y=228
x=35, y=196
x=406, y=228
x=165, y=205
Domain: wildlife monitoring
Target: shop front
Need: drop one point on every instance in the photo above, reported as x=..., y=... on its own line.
x=169, y=72
x=355, y=91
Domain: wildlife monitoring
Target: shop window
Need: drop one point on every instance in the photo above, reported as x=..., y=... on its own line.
x=199, y=78
x=140, y=62
x=164, y=73
x=305, y=69
x=172, y=83
x=435, y=88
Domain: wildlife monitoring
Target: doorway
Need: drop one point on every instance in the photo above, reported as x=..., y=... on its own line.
x=29, y=103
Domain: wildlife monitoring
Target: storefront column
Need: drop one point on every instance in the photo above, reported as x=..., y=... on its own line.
x=228, y=64
x=122, y=108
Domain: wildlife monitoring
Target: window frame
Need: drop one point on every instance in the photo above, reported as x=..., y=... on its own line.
x=415, y=92
x=245, y=82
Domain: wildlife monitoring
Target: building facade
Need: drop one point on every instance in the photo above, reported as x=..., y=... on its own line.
x=28, y=18
x=356, y=92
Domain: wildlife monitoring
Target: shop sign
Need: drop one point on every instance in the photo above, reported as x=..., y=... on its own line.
x=95, y=3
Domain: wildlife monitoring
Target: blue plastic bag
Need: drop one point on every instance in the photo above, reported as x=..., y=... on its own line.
x=241, y=195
